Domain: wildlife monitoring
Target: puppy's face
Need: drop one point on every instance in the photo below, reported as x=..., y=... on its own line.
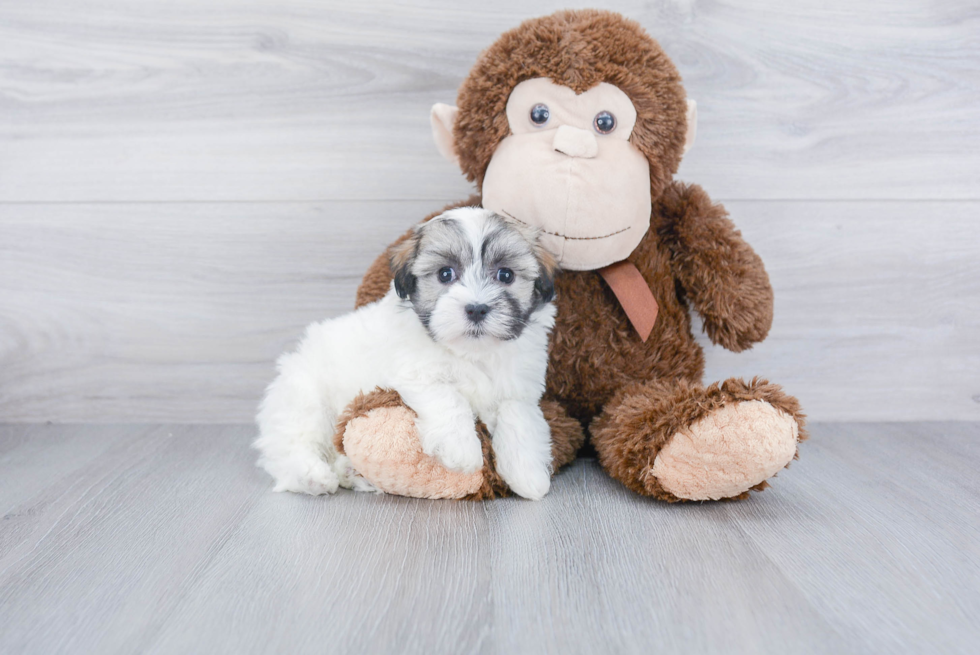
x=470, y=273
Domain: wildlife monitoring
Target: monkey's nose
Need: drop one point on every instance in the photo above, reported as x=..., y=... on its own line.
x=477, y=313
x=575, y=142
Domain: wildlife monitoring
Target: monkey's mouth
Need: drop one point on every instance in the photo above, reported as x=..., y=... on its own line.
x=565, y=236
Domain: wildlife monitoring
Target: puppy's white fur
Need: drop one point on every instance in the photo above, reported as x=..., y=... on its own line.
x=443, y=372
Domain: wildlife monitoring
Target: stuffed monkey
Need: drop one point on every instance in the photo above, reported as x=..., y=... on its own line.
x=575, y=123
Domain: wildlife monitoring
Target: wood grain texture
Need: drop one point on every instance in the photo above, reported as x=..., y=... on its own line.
x=170, y=311
x=184, y=185
x=299, y=100
x=177, y=312
x=887, y=494
x=167, y=540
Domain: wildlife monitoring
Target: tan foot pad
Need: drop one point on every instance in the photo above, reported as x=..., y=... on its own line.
x=727, y=452
x=384, y=448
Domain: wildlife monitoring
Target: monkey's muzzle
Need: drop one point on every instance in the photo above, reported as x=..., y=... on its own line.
x=575, y=142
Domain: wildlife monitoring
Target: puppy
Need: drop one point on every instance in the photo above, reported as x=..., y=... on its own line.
x=462, y=334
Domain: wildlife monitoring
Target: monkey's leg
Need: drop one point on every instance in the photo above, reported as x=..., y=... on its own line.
x=680, y=441
x=377, y=433
x=567, y=435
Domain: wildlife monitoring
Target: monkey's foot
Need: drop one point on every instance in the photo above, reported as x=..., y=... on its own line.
x=685, y=442
x=377, y=433
x=728, y=452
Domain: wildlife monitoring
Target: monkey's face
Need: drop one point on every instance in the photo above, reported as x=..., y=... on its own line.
x=572, y=123
x=569, y=169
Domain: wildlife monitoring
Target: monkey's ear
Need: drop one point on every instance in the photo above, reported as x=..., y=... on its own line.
x=692, y=124
x=443, y=117
x=401, y=258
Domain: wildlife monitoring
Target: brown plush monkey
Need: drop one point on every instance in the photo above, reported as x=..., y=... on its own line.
x=576, y=123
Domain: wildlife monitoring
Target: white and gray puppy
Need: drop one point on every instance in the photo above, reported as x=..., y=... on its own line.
x=462, y=334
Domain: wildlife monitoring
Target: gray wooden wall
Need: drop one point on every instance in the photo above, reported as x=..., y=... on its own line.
x=185, y=184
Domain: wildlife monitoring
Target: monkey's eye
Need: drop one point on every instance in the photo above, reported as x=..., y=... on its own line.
x=447, y=275
x=540, y=114
x=505, y=275
x=604, y=122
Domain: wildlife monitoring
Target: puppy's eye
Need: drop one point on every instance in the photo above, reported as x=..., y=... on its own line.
x=604, y=122
x=447, y=275
x=540, y=114
x=505, y=275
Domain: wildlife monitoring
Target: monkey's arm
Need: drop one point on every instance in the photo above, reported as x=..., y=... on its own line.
x=724, y=279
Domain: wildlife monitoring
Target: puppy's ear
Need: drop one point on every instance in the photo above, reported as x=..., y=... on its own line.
x=401, y=258
x=544, y=286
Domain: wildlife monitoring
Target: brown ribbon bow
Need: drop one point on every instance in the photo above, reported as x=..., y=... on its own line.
x=633, y=294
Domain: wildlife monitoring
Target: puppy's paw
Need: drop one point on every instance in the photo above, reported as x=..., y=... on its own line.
x=351, y=479
x=463, y=454
x=455, y=444
x=525, y=478
x=305, y=474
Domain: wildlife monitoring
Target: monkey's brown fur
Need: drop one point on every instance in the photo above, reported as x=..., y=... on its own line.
x=633, y=396
x=578, y=49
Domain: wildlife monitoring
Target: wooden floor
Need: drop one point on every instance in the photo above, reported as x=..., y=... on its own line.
x=165, y=539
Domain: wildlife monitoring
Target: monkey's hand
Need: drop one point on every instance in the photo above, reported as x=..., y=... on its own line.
x=724, y=279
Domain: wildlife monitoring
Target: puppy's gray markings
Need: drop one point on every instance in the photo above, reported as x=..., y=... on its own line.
x=507, y=277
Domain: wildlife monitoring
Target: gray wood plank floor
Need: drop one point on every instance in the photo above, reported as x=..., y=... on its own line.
x=165, y=539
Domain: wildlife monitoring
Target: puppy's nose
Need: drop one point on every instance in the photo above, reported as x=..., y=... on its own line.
x=574, y=142
x=477, y=313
